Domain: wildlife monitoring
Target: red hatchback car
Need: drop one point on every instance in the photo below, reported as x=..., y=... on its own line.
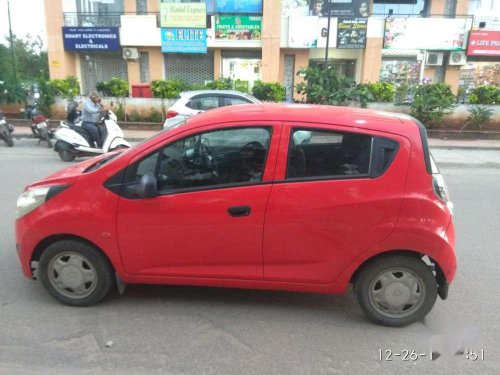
x=273, y=196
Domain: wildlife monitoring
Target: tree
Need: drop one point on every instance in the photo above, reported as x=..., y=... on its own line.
x=30, y=56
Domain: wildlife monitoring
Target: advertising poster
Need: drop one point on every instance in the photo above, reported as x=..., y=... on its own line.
x=320, y=8
x=484, y=43
x=184, y=40
x=346, y=8
x=426, y=33
x=238, y=28
x=351, y=32
x=91, y=38
x=183, y=15
x=238, y=6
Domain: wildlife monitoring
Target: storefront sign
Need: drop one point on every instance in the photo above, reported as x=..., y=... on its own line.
x=91, y=38
x=323, y=31
x=484, y=43
x=341, y=8
x=426, y=33
x=303, y=32
x=346, y=8
x=238, y=28
x=238, y=6
x=184, y=40
x=351, y=32
x=183, y=15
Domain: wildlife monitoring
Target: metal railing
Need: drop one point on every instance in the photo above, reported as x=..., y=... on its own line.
x=75, y=19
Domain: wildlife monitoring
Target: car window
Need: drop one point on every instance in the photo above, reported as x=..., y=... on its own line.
x=213, y=158
x=319, y=153
x=204, y=103
x=235, y=101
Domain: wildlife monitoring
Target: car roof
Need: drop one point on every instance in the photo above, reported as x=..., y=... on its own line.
x=217, y=92
x=305, y=113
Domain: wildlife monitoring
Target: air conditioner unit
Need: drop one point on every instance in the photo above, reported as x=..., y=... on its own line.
x=434, y=58
x=130, y=53
x=457, y=58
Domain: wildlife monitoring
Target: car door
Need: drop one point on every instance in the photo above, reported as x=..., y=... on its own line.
x=338, y=192
x=207, y=220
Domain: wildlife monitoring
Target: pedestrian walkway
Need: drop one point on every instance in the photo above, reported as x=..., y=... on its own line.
x=139, y=135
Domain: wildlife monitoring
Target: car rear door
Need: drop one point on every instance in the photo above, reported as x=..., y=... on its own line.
x=338, y=191
x=207, y=220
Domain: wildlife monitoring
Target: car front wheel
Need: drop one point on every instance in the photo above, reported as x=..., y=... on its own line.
x=396, y=290
x=75, y=273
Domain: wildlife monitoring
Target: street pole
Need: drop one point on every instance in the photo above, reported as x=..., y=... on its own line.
x=327, y=38
x=12, y=45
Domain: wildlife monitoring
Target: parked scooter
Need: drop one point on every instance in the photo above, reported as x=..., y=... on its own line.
x=6, y=131
x=39, y=125
x=74, y=141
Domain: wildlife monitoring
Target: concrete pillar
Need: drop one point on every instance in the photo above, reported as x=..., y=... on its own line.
x=61, y=63
x=372, y=60
x=271, y=28
x=217, y=63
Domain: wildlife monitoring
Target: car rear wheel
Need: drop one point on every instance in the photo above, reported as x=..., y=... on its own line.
x=75, y=273
x=396, y=290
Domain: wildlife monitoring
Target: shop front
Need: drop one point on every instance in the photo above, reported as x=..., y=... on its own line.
x=243, y=67
x=401, y=67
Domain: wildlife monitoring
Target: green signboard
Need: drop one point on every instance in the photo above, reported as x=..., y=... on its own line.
x=238, y=27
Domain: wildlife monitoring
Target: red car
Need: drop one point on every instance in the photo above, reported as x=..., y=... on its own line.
x=272, y=196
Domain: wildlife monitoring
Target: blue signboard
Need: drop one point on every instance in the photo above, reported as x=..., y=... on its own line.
x=238, y=6
x=91, y=38
x=183, y=40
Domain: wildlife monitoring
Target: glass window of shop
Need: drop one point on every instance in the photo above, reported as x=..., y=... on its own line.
x=243, y=67
x=400, y=70
x=401, y=7
x=346, y=67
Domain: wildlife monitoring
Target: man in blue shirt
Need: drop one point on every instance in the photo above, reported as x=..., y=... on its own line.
x=91, y=115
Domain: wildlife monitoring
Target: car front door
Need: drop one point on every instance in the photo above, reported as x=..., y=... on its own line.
x=207, y=220
x=338, y=192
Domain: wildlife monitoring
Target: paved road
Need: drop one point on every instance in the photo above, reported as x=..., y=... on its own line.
x=187, y=330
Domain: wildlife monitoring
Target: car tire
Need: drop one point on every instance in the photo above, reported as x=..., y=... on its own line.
x=396, y=290
x=75, y=273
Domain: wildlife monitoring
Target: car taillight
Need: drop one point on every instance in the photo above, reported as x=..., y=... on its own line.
x=441, y=190
x=171, y=114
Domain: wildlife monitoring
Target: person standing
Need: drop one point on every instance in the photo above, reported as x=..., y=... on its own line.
x=91, y=114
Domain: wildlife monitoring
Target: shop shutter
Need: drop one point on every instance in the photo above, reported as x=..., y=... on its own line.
x=101, y=66
x=190, y=68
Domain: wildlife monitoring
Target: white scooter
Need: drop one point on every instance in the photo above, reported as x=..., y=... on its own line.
x=72, y=138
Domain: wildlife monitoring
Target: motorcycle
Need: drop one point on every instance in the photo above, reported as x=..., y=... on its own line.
x=39, y=125
x=6, y=131
x=73, y=141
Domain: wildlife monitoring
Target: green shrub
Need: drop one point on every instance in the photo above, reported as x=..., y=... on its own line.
x=47, y=97
x=154, y=116
x=11, y=92
x=120, y=111
x=67, y=88
x=485, y=95
x=220, y=84
x=382, y=92
x=327, y=86
x=403, y=94
x=431, y=103
x=168, y=89
x=117, y=87
x=134, y=116
x=478, y=116
x=269, y=91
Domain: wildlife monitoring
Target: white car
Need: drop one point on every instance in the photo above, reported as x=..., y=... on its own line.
x=193, y=102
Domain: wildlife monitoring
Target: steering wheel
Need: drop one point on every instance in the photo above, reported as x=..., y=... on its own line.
x=204, y=156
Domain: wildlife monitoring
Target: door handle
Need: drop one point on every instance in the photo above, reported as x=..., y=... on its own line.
x=238, y=211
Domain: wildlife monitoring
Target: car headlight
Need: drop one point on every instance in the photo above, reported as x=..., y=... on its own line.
x=35, y=197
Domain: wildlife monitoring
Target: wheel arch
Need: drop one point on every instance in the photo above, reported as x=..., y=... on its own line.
x=438, y=272
x=46, y=242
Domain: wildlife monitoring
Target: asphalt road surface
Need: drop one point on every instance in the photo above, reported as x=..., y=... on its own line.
x=188, y=330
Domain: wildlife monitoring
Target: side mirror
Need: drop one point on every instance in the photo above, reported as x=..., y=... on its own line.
x=148, y=187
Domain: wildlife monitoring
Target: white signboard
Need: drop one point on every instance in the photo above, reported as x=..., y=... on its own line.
x=303, y=32
x=426, y=33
